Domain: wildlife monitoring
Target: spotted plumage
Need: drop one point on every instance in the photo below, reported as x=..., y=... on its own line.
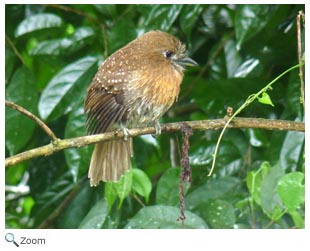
x=134, y=87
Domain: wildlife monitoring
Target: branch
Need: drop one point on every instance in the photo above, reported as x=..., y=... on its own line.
x=300, y=15
x=33, y=117
x=200, y=125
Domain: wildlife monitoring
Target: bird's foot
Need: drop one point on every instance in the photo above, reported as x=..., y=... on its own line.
x=157, y=129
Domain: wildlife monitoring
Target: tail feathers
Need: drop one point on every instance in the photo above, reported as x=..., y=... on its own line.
x=110, y=160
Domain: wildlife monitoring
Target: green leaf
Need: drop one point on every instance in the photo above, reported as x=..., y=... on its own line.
x=214, y=189
x=292, y=150
x=167, y=192
x=96, y=216
x=265, y=99
x=141, y=183
x=10, y=60
x=291, y=190
x=78, y=207
x=254, y=181
x=65, y=46
x=219, y=214
x=270, y=200
x=78, y=159
x=122, y=188
x=162, y=16
x=38, y=22
x=57, y=98
x=298, y=219
x=188, y=18
x=251, y=19
x=110, y=194
x=49, y=199
x=19, y=128
x=164, y=217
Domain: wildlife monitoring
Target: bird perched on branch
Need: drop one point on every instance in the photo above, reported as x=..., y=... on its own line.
x=133, y=87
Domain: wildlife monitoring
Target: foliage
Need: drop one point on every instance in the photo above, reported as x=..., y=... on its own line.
x=52, y=53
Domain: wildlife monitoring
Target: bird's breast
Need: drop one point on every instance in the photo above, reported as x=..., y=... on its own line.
x=150, y=94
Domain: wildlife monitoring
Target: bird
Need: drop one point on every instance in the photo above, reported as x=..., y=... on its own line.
x=133, y=87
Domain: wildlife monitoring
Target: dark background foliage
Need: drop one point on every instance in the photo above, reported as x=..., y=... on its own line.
x=52, y=53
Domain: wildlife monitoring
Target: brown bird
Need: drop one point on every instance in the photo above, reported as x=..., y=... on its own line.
x=133, y=87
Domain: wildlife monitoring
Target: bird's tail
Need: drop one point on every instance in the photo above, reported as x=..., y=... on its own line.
x=110, y=160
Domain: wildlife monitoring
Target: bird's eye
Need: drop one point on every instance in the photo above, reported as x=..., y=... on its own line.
x=168, y=54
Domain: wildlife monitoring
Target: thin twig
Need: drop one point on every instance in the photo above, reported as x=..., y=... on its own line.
x=33, y=117
x=249, y=100
x=201, y=125
x=300, y=16
x=7, y=38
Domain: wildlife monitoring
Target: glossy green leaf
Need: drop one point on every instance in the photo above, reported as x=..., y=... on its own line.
x=292, y=150
x=291, y=190
x=251, y=19
x=167, y=192
x=164, y=217
x=162, y=16
x=38, y=22
x=10, y=60
x=19, y=128
x=78, y=208
x=254, y=181
x=56, y=99
x=110, y=194
x=51, y=197
x=298, y=219
x=270, y=200
x=214, y=189
x=219, y=214
x=265, y=99
x=78, y=159
x=189, y=16
x=66, y=46
x=96, y=216
x=141, y=183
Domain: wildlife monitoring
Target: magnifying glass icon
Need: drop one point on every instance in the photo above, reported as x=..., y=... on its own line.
x=9, y=237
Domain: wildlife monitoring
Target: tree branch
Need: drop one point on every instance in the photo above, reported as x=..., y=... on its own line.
x=201, y=125
x=33, y=117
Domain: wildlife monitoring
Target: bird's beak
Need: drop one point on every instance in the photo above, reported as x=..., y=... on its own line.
x=185, y=62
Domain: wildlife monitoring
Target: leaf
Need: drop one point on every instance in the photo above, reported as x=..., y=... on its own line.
x=162, y=16
x=77, y=208
x=158, y=217
x=265, y=99
x=96, y=216
x=292, y=150
x=19, y=128
x=270, y=201
x=65, y=46
x=298, y=219
x=291, y=190
x=188, y=18
x=50, y=198
x=10, y=60
x=214, y=189
x=78, y=159
x=254, y=181
x=57, y=98
x=121, y=189
x=219, y=214
x=110, y=194
x=141, y=183
x=38, y=22
x=251, y=19
x=167, y=192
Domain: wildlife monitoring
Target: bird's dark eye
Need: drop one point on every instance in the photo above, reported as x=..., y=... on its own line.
x=168, y=54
